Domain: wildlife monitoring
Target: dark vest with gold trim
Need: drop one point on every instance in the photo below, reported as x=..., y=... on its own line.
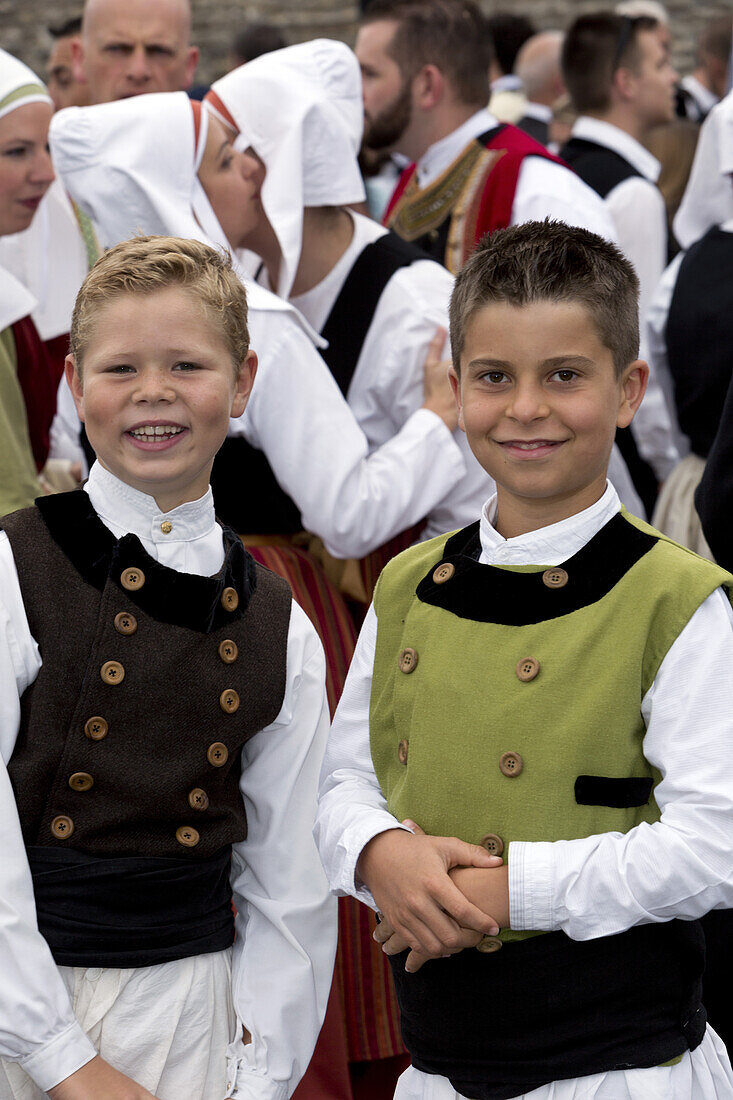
x=128, y=754
x=506, y=706
x=473, y=196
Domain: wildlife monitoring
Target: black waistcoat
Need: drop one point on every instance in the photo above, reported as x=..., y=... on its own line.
x=127, y=764
x=699, y=336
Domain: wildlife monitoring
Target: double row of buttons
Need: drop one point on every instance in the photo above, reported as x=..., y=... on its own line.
x=112, y=673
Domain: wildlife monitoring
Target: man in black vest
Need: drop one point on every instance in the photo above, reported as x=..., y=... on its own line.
x=621, y=83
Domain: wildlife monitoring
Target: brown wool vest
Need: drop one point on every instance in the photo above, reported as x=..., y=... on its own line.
x=152, y=682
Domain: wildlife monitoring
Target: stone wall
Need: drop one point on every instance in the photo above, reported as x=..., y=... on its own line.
x=23, y=22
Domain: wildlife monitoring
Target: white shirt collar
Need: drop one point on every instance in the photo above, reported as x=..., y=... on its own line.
x=507, y=83
x=442, y=153
x=126, y=510
x=540, y=111
x=548, y=545
x=605, y=133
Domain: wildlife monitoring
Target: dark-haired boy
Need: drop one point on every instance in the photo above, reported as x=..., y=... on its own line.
x=551, y=685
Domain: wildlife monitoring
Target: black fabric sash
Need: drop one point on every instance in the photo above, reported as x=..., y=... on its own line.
x=352, y=313
x=130, y=911
x=547, y=1008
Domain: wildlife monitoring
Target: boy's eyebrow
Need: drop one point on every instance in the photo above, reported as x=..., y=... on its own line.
x=568, y=360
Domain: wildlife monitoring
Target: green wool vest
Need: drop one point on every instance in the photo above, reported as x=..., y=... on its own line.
x=506, y=702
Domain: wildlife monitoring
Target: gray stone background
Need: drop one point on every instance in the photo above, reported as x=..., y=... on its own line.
x=23, y=23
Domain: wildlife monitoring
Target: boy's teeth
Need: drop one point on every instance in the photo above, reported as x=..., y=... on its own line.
x=149, y=431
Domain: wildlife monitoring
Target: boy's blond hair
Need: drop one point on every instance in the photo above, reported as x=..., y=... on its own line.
x=146, y=264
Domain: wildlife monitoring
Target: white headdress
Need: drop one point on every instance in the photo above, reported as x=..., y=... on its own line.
x=301, y=111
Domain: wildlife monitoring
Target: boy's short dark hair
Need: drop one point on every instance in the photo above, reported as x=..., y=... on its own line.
x=451, y=34
x=257, y=39
x=551, y=262
x=595, y=47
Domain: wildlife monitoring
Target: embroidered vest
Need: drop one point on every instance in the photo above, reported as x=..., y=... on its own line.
x=473, y=196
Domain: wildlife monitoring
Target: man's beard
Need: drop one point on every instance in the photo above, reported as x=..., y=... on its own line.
x=384, y=130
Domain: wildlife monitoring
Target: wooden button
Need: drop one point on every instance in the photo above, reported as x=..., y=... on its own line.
x=229, y=701
x=217, y=754
x=187, y=836
x=198, y=799
x=408, y=660
x=230, y=599
x=402, y=750
x=228, y=651
x=125, y=623
x=132, y=579
x=444, y=572
x=96, y=728
x=510, y=764
x=166, y=527
x=81, y=781
x=493, y=844
x=488, y=945
x=62, y=827
x=528, y=669
x=112, y=672
x=555, y=577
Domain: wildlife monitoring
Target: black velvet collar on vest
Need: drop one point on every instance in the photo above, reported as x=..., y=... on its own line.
x=181, y=599
x=490, y=594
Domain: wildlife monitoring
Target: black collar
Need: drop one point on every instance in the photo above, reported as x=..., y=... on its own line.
x=181, y=599
x=491, y=594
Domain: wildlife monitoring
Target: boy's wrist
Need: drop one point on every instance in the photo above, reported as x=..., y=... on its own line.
x=487, y=888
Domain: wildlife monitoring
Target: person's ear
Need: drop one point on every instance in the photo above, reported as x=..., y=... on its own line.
x=75, y=384
x=633, y=383
x=192, y=60
x=455, y=385
x=77, y=60
x=244, y=384
x=428, y=87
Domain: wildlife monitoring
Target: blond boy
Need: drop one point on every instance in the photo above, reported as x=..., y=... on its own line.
x=164, y=721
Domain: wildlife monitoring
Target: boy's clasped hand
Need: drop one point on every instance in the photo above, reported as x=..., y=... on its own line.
x=434, y=894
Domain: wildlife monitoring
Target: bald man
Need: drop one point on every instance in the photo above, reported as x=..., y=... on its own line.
x=538, y=68
x=128, y=47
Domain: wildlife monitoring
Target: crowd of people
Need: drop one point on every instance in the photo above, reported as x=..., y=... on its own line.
x=326, y=392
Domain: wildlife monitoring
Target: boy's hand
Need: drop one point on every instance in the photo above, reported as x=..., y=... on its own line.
x=437, y=392
x=97, y=1080
x=393, y=944
x=408, y=878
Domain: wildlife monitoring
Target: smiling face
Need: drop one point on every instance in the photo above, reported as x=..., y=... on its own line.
x=539, y=400
x=157, y=389
x=25, y=165
x=133, y=46
x=232, y=183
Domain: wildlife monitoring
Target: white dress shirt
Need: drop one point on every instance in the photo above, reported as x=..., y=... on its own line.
x=286, y=922
x=544, y=189
x=640, y=219
x=599, y=885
